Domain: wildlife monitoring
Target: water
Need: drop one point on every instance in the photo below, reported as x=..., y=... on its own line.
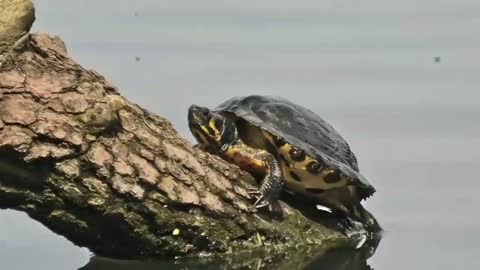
x=367, y=67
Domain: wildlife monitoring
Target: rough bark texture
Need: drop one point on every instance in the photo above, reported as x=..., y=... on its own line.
x=110, y=176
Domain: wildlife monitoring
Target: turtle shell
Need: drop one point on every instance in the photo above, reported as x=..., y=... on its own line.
x=301, y=128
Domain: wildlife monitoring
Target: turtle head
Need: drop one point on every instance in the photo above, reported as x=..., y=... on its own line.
x=212, y=130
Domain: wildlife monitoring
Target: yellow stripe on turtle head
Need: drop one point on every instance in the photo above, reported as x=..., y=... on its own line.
x=207, y=130
x=218, y=136
x=201, y=136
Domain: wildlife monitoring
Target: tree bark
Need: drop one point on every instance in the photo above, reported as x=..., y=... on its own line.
x=108, y=175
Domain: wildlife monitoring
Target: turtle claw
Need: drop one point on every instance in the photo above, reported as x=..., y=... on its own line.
x=254, y=191
x=262, y=201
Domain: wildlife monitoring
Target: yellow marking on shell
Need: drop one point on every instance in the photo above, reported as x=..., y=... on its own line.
x=308, y=180
x=326, y=172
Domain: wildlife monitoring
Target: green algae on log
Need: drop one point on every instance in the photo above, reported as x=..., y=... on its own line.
x=110, y=176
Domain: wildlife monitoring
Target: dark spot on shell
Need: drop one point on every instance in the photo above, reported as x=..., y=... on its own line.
x=297, y=154
x=314, y=167
x=295, y=176
x=315, y=190
x=333, y=178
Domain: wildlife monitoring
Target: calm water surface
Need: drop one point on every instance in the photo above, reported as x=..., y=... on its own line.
x=368, y=68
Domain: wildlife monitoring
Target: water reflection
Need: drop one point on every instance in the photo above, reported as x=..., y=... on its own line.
x=309, y=258
x=346, y=259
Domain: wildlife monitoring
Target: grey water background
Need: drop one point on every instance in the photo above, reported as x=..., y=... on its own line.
x=367, y=67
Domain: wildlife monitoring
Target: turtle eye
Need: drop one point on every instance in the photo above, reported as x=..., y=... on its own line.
x=205, y=113
x=297, y=154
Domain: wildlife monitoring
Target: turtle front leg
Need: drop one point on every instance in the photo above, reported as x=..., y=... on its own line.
x=272, y=183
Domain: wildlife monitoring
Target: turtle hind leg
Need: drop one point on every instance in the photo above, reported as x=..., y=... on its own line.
x=272, y=184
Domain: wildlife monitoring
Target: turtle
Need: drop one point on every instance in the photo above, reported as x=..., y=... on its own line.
x=291, y=147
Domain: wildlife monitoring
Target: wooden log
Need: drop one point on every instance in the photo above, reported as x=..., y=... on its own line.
x=109, y=175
